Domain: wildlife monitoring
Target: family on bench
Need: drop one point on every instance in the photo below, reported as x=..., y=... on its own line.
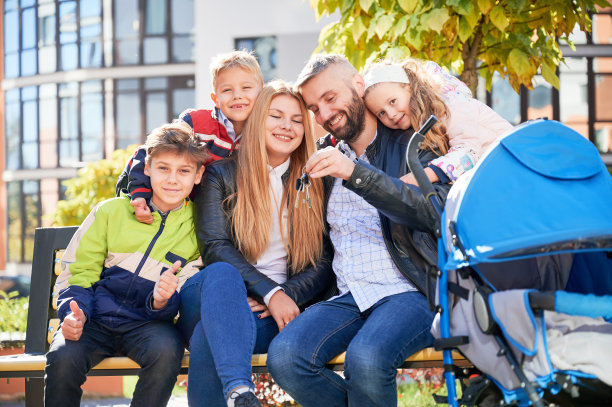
x=298, y=248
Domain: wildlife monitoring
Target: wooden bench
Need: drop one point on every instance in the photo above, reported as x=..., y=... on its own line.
x=42, y=322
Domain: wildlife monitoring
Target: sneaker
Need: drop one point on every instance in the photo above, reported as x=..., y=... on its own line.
x=246, y=399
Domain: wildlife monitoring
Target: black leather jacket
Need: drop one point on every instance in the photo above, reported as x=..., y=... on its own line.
x=406, y=223
x=217, y=243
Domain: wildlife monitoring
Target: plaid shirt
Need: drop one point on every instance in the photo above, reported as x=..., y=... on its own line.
x=362, y=263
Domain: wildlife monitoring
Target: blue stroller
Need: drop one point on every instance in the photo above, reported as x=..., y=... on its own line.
x=524, y=273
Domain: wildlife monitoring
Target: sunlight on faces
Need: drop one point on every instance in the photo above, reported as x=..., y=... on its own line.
x=390, y=103
x=336, y=105
x=172, y=179
x=235, y=92
x=284, y=128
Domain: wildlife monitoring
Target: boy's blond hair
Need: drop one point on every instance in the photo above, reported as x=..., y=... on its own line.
x=235, y=59
x=178, y=138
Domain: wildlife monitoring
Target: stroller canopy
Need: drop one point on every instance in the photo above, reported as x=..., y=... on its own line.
x=541, y=189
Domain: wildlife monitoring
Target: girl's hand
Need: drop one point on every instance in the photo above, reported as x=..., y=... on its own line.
x=142, y=211
x=283, y=309
x=409, y=178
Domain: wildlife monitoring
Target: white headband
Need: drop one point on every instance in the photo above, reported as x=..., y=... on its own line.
x=385, y=73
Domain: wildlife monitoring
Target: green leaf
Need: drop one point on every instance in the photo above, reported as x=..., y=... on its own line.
x=383, y=24
x=465, y=30
x=549, y=74
x=498, y=17
x=407, y=5
x=464, y=7
x=397, y=53
x=436, y=19
x=359, y=28
x=517, y=60
x=365, y=4
x=516, y=5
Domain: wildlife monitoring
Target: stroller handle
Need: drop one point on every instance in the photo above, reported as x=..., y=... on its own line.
x=412, y=158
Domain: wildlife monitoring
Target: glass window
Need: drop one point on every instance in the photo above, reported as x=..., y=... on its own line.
x=31, y=200
x=127, y=28
x=29, y=147
x=182, y=99
x=157, y=110
x=156, y=83
x=91, y=33
x=603, y=137
x=69, y=50
x=182, y=49
x=28, y=28
x=92, y=121
x=15, y=244
x=505, y=101
x=47, y=60
x=573, y=104
x=155, y=50
x=155, y=16
x=265, y=51
x=13, y=129
x=128, y=113
x=540, y=100
x=182, y=22
x=11, y=32
x=48, y=125
x=69, y=124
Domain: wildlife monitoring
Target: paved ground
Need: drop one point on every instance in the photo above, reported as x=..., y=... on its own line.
x=175, y=401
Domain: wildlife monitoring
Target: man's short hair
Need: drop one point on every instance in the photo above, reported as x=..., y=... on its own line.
x=235, y=59
x=318, y=63
x=178, y=138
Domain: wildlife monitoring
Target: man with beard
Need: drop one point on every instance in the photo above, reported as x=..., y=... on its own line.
x=380, y=229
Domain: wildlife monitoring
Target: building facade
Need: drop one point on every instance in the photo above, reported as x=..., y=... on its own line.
x=83, y=78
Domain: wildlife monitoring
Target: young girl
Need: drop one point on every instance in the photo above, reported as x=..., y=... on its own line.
x=265, y=252
x=405, y=95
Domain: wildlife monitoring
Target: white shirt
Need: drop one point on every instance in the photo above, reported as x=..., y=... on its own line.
x=362, y=263
x=229, y=126
x=273, y=262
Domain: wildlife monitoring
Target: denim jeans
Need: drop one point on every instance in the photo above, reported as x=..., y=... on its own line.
x=224, y=333
x=156, y=346
x=376, y=341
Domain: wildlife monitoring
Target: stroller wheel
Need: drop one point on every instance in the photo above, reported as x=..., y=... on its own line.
x=482, y=392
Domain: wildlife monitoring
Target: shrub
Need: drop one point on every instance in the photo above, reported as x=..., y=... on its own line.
x=13, y=316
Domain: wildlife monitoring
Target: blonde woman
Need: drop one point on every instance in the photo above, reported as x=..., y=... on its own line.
x=266, y=256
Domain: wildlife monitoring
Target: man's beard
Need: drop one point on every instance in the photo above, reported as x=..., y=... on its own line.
x=355, y=120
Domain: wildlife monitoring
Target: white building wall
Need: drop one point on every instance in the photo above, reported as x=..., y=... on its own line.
x=218, y=23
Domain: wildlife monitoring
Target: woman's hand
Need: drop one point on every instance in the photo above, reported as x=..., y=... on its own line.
x=283, y=309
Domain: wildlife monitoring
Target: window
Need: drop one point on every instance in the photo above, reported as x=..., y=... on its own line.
x=24, y=212
x=265, y=52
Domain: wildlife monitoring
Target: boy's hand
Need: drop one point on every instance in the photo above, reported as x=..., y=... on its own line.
x=283, y=309
x=165, y=286
x=72, y=326
x=141, y=210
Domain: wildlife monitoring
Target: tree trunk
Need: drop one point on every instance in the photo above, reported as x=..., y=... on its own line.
x=468, y=54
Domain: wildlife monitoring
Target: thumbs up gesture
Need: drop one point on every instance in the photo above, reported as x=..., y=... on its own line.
x=165, y=286
x=72, y=326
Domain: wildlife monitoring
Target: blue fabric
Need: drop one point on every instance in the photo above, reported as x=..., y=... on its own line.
x=587, y=305
x=376, y=341
x=224, y=333
x=155, y=345
x=544, y=183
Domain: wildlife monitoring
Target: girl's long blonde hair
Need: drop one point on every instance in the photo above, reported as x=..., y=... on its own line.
x=425, y=100
x=250, y=208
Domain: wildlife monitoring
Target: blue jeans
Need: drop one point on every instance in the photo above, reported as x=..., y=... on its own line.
x=155, y=345
x=224, y=333
x=376, y=342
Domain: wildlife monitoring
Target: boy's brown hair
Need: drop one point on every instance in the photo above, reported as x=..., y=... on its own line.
x=235, y=59
x=178, y=138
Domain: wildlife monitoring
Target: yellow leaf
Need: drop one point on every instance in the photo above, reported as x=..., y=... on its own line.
x=365, y=4
x=383, y=24
x=358, y=29
x=549, y=74
x=485, y=6
x=518, y=62
x=498, y=17
x=437, y=18
x=407, y=5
